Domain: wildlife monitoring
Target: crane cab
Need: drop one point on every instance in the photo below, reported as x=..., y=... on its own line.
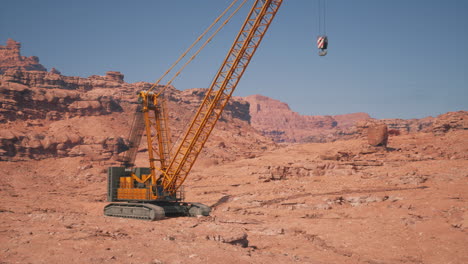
x=322, y=45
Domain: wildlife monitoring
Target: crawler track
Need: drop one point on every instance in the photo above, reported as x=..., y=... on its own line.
x=152, y=212
x=140, y=211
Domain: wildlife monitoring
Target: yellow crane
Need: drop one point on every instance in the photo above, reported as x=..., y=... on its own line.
x=155, y=192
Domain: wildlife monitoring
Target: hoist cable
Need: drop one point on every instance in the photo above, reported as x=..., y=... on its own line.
x=320, y=18
x=193, y=56
x=204, y=44
x=193, y=44
x=325, y=17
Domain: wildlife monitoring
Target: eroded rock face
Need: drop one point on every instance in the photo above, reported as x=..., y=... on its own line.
x=440, y=125
x=450, y=121
x=115, y=76
x=236, y=107
x=55, y=71
x=43, y=115
x=15, y=145
x=27, y=71
x=347, y=121
x=54, y=80
x=405, y=126
x=276, y=120
x=25, y=108
x=10, y=58
x=20, y=102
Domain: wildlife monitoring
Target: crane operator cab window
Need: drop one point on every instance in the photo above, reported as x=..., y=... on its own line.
x=322, y=45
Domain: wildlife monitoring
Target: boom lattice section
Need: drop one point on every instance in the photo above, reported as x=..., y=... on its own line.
x=220, y=91
x=163, y=133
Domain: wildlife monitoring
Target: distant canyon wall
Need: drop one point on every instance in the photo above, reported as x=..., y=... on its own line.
x=277, y=121
x=45, y=114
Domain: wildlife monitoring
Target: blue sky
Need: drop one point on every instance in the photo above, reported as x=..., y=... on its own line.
x=391, y=59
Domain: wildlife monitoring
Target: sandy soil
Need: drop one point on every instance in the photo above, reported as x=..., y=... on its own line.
x=335, y=202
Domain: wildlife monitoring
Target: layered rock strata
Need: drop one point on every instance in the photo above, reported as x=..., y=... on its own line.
x=10, y=58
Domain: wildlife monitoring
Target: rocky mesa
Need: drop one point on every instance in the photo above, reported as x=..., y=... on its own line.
x=44, y=114
x=276, y=120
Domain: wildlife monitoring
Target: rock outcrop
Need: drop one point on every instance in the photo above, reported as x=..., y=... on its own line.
x=236, y=108
x=10, y=58
x=450, y=121
x=33, y=102
x=405, y=126
x=54, y=80
x=49, y=115
x=16, y=145
x=347, y=121
x=21, y=102
x=439, y=125
x=276, y=120
x=115, y=76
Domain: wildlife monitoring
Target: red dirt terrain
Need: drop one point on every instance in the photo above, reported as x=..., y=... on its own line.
x=340, y=201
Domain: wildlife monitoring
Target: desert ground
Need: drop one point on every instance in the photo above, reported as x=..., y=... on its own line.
x=339, y=202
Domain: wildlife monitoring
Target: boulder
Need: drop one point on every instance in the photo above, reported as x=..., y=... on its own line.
x=115, y=76
x=377, y=135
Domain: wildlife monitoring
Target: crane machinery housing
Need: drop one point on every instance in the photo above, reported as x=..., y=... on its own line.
x=151, y=193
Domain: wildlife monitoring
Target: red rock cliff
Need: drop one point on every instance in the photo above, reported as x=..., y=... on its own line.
x=276, y=120
x=10, y=58
x=48, y=115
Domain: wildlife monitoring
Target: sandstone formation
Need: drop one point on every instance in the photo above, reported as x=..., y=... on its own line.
x=22, y=102
x=53, y=79
x=115, y=76
x=439, y=125
x=377, y=135
x=347, y=121
x=20, y=146
x=55, y=71
x=48, y=115
x=450, y=121
x=405, y=126
x=10, y=58
x=276, y=120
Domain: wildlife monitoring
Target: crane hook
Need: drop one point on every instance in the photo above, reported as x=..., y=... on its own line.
x=322, y=45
